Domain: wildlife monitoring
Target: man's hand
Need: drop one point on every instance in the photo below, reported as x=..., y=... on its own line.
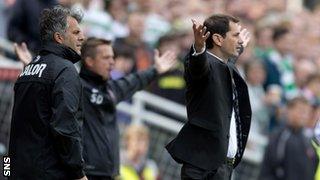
x=164, y=62
x=245, y=36
x=200, y=35
x=23, y=53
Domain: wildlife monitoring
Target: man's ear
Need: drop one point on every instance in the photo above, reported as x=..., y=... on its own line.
x=217, y=39
x=58, y=37
x=88, y=61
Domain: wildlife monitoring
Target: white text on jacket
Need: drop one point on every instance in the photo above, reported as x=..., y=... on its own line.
x=33, y=69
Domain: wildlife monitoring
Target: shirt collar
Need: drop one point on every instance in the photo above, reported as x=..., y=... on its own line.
x=215, y=56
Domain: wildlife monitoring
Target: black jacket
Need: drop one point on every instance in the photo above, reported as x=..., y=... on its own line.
x=45, y=139
x=100, y=128
x=203, y=140
x=289, y=156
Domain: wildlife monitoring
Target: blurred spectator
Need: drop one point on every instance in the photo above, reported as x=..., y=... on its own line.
x=120, y=16
x=289, y=154
x=273, y=73
x=311, y=4
x=5, y=6
x=70, y=3
x=184, y=42
x=316, y=112
x=123, y=63
x=104, y=19
x=155, y=24
x=302, y=71
x=317, y=61
x=134, y=42
x=317, y=131
x=264, y=42
x=135, y=164
x=255, y=76
x=311, y=123
x=170, y=85
x=96, y=22
x=23, y=25
x=273, y=97
x=316, y=144
x=311, y=90
x=122, y=66
x=279, y=63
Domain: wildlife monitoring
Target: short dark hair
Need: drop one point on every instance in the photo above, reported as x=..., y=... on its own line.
x=125, y=52
x=279, y=32
x=251, y=64
x=313, y=77
x=89, y=47
x=171, y=37
x=218, y=24
x=55, y=20
x=299, y=99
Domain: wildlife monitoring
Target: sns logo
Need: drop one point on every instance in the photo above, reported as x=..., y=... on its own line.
x=6, y=166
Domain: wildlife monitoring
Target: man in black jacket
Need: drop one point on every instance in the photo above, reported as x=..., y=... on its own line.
x=101, y=95
x=100, y=129
x=45, y=139
x=213, y=140
x=289, y=154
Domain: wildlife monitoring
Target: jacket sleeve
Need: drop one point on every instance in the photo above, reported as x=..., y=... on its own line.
x=65, y=125
x=125, y=87
x=196, y=66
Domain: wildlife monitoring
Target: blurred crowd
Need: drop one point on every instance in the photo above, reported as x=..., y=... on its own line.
x=281, y=63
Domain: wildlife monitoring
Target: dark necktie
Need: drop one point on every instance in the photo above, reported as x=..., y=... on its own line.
x=236, y=112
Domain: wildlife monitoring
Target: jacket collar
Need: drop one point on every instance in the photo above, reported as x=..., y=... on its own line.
x=230, y=63
x=220, y=59
x=90, y=76
x=61, y=51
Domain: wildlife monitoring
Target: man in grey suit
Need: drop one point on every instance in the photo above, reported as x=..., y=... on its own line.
x=213, y=140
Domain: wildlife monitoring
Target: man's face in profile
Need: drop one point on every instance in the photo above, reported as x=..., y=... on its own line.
x=73, y=37
x=231, y=45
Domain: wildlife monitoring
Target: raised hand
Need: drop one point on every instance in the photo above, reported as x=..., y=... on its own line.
x=245, y=36
x=164, y=62
x=200, y=35
x=23, y=53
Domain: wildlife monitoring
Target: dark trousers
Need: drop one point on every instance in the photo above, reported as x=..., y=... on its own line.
x=190, y=172
x=90, y=177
